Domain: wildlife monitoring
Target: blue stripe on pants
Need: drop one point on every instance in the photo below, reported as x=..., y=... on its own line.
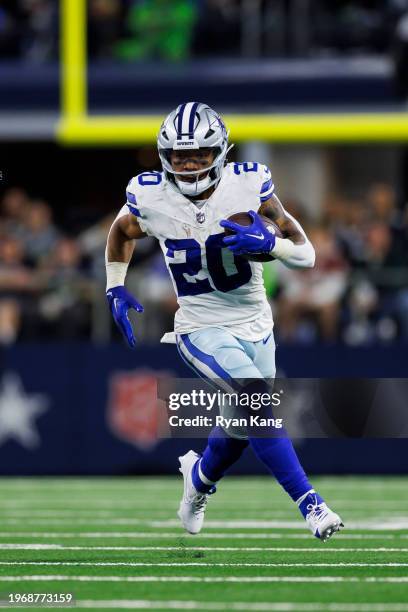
x=208, y=360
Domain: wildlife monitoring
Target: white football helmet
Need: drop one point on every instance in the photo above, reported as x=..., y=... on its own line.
x=193, y=125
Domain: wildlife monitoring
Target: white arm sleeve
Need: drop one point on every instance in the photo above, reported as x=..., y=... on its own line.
x=294, y=255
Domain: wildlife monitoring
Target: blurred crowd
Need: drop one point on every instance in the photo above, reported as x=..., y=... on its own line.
x=137, y=30
x=29, y=29
x=44, y=290
x=52, y=283
x=358, y=290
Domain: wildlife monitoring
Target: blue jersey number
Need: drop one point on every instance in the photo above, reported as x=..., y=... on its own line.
x=245, y=167
x=223, y=282
x=216, y=270
x=191, y=266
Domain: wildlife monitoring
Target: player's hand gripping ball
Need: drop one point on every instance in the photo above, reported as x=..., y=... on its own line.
x=120, y=302
x=250, y=235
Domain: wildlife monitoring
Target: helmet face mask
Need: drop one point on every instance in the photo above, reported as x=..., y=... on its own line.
x=193, y=169
x=193, y=127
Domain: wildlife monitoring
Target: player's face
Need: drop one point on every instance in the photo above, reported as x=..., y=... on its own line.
x=191, y=161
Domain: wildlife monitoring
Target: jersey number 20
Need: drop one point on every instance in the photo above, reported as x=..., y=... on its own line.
x=193, y=264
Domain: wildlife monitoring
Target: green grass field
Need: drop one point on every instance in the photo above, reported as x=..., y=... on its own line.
x=117, y=544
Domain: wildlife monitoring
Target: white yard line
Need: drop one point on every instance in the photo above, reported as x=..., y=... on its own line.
x=194, y=564
x=210, y=579
x=84, y=503
x=317, y=549
x=284, y=606
x=366, y=525
x=218, y=514
x=33, y=546
x=79, y=521
x=370, y=525
x=80, y=511
x=178, y=535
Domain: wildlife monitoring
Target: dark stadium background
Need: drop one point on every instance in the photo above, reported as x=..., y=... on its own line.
x=57, y=342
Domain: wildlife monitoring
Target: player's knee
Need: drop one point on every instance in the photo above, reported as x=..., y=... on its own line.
x=231, y=358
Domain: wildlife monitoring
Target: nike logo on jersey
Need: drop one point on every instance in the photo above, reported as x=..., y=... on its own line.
x=265, y=340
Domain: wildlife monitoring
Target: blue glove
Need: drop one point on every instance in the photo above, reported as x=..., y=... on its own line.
x=120, y=302
x=255, y=238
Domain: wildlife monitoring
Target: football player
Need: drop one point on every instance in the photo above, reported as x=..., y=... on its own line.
x=223, y=327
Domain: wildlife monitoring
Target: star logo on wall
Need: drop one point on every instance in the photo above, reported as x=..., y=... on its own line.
x=19, y=411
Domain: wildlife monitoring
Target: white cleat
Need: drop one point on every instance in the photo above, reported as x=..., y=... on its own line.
x=322, y=521
x=193, y=503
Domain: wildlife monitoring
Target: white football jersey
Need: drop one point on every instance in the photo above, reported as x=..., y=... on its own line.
x=214, y=288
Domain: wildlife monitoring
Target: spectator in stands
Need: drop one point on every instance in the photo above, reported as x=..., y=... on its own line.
x=13, y=210
x=218, y=29
x=39, y=42
x=382, y=203
x=314, y=293
x=386, y=270
x=38, y=232
x=65, y=303
x=347, y=218
x=400, y=52
x=378, y=297
x=158, y=29
x=105, y=18
x=16, y=283
x=381, y=199
x=351, y=25
x=10, y=16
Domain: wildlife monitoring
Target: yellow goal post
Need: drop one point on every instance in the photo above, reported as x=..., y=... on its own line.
x=77, y=127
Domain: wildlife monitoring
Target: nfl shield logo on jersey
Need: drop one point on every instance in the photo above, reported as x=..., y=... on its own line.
x=200, y=217
x=133, y=412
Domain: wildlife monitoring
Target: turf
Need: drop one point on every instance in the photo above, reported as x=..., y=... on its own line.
x=117, y=544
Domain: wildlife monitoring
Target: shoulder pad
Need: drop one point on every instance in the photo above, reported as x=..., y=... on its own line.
x=139, y=187
x=267, y=187
x=259, y=174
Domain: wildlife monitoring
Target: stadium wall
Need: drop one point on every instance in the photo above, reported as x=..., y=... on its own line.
x=79, y=409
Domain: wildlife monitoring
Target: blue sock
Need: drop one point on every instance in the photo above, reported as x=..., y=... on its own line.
x=280, y=458
x=221, y=453
x=309, y=499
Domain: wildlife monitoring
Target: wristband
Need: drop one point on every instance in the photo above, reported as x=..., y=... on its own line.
x=115, y=273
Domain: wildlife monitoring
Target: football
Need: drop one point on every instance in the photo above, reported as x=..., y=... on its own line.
x=243, y=218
